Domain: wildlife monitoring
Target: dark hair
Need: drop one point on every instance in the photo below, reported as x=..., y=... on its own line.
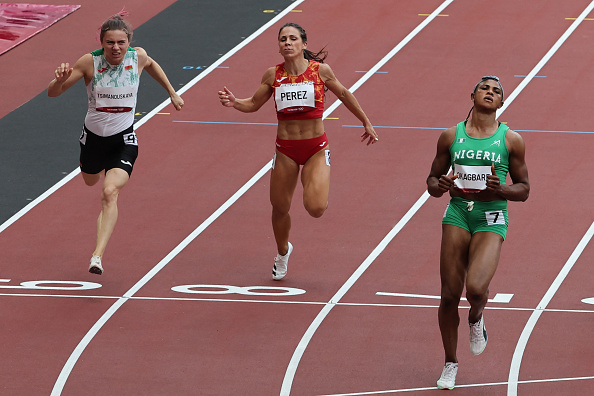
x=494, y=78
x=116, y=22
x=485, y=78
x=307, y=54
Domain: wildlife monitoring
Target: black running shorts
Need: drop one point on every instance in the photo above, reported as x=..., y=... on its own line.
x=99, y=153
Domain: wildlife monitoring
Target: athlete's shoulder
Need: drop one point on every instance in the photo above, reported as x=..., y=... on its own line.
x=269, y=75
x=450, y=131
x=514, y=140
x=322, y=67
x=85, y=63
x=325, y=72
x=140, y=52
x=447, y=137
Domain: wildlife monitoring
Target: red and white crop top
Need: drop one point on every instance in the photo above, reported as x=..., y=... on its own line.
x=299, y=97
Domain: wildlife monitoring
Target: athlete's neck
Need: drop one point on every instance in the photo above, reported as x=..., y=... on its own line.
x=482, y=124
x=295, y=67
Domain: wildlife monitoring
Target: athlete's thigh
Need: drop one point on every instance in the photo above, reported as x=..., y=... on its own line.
x=484, y=252
x=315, y=176
x=91, y=178
x=116, y=177
x=283, y=180
x=453, y=258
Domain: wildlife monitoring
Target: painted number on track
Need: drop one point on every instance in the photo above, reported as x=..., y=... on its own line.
x=52, y=285
x=245, y=290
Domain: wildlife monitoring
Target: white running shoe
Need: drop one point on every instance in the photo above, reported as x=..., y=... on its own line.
x=478, y=337
x=280, y=264
x=448, y=376
x=95, y=267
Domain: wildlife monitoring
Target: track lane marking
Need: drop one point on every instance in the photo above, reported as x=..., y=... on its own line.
x=288, y=302
x=460, y=386
x=514, y=371
x=501, y=298
x=545, y=58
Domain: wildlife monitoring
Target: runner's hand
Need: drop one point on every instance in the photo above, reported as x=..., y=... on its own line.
x=493, y=182
x=177, y=101
x=369, y=134
x=63, y=72
x=226, y=97
x=446, y=182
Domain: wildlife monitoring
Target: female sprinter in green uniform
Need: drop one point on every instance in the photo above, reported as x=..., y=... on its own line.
x=481, y=152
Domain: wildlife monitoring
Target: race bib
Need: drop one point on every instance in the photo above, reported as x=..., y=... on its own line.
x=83, y=137
x=115, y=99
x=295, y=98
x=471, y=178
x=495, y=218
x=131, y=139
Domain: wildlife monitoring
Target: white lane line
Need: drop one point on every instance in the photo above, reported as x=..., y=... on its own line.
x=546, y=58
x=514, y=371
x=38, y=200
x=289, y=302
x=61, y=381
x=67, y=369
x=502, y=298
x=383, y=392
x=298, y=354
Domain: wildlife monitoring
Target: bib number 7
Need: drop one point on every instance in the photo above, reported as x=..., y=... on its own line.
x=495, y=217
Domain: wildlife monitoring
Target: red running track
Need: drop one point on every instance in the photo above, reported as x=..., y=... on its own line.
x=206, y=321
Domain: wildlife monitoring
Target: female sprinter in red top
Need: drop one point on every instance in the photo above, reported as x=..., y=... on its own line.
x=298, y=86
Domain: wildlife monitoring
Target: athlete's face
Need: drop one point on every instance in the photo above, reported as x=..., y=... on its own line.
x=488, y=94
x=290, y=42
x=115, y=44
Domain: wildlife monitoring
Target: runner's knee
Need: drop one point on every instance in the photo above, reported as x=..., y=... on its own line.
x=315, y=210
x=450, y=298
x=280, y=210
x=476, y=294
x=110, y=193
